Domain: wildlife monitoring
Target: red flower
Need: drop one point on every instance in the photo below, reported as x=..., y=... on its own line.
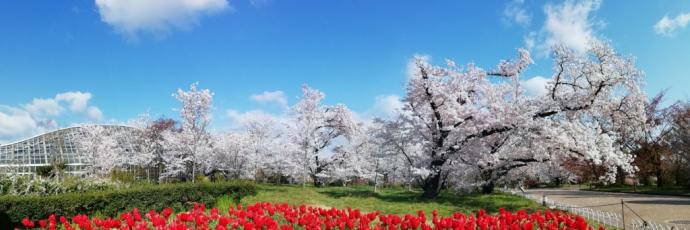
x=284, y=217
x=26, y=222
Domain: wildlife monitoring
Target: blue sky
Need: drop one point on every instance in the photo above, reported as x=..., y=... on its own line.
x=69, y=61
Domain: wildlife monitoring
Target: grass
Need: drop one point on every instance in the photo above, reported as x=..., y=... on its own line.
x=652, y=190
x=388, y=201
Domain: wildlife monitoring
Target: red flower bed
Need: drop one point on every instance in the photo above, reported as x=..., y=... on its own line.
x=285, y=217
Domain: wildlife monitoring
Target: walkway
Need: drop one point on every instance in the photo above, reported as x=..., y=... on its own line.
x=660, y=209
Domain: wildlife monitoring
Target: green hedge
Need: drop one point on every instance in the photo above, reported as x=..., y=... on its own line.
x=112, y=203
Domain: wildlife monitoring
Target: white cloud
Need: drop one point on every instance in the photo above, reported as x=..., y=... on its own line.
x=78, y=101
x=668, y=26
x=158, y=17
x=571, y=24
x=14, y=121
x=40, y=115
x=41, y=106
x=237, y=118
x=515, y=12
x=277, y=97
x=94, y=113
x=385, y=106
x=530, y=40
x=535, y=86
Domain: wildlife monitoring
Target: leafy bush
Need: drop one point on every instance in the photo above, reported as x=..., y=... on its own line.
x=44, y=171
x=123, y=176
x=202, y=178
x=80, y=185
x=24, y=185
x=113, y=202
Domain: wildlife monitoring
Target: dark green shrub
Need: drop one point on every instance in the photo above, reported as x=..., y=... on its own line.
x=123, y=176
x=44, y=171
x=113, y=202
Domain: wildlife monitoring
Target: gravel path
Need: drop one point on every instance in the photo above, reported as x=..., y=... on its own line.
x=660, y=209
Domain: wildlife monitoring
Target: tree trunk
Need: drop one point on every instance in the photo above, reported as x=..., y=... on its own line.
x=557, y=182
x=193, y=174
x=317, y=182
x=658, y=168
x=432, y=185
x=678, y=175
x=488, y=187
x=376, y=175
x=385, y=180
x=410, y=179
x=305, y=169
x=659, y=178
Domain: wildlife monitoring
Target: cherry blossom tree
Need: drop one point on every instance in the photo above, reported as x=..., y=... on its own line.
x=193, y=140
x=651, y=149
x=262, y=132
x=282, y=161
x=400, y=148
x=152, y=139
x=273, y=154
x=99, y=149
x=175, y=159
x=230, y=156
x=465, y=121
x=679, y=141
x=146, y=144
x=313, y=127
x=353, y=160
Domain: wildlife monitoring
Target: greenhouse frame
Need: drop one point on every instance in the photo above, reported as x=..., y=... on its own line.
x=59, y=146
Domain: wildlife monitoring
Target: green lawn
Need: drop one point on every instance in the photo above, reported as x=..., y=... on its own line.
x=389, y=201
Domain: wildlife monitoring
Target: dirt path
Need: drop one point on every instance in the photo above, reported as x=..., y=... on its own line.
x=660, y=209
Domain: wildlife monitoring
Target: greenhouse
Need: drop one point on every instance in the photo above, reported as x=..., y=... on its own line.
x=55, y=147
